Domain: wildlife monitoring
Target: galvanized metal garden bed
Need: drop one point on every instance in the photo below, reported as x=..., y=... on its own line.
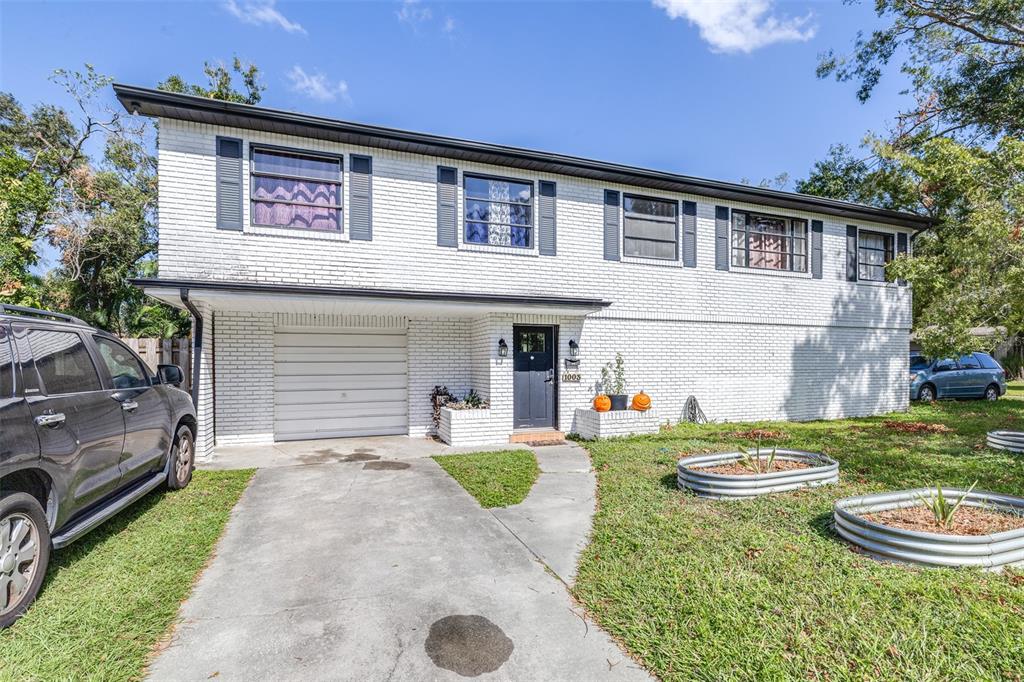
x=990, y=552
x=691, y=475
x=1006, y=440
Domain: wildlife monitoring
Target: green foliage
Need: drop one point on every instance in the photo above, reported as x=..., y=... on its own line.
x=220, y=83
x=969, y=270
x=755, y=462
x=25, y=198
x=871, y=180
x=964, y=60
x=940, y=506
x=613, y=377
x=495, y=479
x=112, y=596
x=474, y=400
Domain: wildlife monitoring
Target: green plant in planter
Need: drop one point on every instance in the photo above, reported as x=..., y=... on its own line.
x=613, y=377
x=473, y=400
x=755, y=462
x=940, y=506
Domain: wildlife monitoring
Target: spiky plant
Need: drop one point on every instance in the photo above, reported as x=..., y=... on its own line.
x=755, y=462
x=940, y=506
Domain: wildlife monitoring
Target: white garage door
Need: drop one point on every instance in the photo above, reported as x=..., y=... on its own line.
x=335, y=383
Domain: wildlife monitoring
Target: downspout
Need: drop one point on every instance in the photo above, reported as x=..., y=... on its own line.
x=197, y=343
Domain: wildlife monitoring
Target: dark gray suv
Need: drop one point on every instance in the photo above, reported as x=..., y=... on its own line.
x=85, y=430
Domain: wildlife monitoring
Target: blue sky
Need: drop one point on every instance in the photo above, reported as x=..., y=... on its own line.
x=715, y=88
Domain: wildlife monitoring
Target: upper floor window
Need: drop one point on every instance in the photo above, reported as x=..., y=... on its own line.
x=294, y=189
x=649, y=228
x=874, y=250
x=769, y=242
x=498, y=212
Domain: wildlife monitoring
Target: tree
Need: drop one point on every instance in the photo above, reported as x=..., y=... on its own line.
x=965, y=60
x=220, y=83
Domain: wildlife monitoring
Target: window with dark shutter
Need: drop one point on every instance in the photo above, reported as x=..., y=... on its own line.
x=447, y=213
x=360, y=209
x=229, y=183
x=611, y=225
x=547, y=241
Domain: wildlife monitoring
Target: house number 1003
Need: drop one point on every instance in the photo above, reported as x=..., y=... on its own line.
x=571, y=377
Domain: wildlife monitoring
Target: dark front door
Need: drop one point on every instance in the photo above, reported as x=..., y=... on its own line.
x=533, y=360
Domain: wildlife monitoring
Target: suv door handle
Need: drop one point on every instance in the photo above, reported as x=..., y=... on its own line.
x=51, y=420
x=129, y=406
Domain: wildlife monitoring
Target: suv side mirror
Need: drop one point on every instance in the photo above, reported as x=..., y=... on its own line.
x=170, y=374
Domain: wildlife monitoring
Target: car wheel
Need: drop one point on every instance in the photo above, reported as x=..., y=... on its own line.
x=24, y=554
x=992, y=392
x=183, y=459
x=927, y=394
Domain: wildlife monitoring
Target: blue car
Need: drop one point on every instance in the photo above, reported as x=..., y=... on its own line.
x=976, y=375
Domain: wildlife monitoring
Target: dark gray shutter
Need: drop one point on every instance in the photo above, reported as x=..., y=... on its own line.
x=546, y=238
x=689, y=234
x=851, y=253
x=360, y=205
x=817, y=228
x=229, y=183
x=611, y=225
x=901, y=248
x=721, y=238
x=447, y=214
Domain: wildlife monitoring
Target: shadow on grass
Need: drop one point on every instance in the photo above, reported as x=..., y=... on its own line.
x=824, y=526
x=67, y=557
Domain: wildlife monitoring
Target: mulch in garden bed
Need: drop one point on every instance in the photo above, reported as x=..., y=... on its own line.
x=966, y=521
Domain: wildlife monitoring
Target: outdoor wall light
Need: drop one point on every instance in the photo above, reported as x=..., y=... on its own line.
x=502, y=348
x=574, y=349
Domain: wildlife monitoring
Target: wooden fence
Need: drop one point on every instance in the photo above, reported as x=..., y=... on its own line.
x=165, y=352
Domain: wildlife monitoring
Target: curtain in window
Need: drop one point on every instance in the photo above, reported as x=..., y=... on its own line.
x=292, y=190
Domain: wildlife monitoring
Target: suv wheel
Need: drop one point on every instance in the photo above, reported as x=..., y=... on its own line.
x=183, y=459
x=927, y=394
x=24, y=554
x=992, y=392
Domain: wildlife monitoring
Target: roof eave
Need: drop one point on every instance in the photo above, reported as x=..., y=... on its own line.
x=160, y=104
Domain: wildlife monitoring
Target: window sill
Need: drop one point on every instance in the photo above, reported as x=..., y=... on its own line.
x=771, y=273
x=883, y=285
x=656, y=262
x=490, y=248
x=297, y=233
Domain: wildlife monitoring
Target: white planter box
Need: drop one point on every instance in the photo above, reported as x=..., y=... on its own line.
x=591, y=424
x=470, y=427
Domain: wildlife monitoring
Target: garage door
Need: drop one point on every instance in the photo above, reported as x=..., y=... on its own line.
x=335, y=383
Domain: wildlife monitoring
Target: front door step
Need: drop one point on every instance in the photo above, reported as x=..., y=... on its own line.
x=532, y=436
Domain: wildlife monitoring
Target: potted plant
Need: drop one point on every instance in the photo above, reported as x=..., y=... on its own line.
x=613, y=380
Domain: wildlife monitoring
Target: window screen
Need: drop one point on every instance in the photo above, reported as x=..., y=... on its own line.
x=874, y=250
x=290, y=189
x=649, y=228
x=498, y=212
x=63, y=362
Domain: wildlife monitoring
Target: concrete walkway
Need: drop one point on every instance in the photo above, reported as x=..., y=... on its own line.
x=388, y=570
x=554, y=519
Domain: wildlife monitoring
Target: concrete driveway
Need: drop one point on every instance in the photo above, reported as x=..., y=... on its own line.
x=375, y=571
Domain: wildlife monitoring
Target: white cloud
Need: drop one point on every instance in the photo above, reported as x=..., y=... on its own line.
x=262, y=12
x=739, y=25
x=449, y=25
x=411, y=12
x=318, y=86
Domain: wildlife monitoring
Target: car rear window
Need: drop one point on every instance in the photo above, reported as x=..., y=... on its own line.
x=969, y=362
x=63, y=362
x=987, y=361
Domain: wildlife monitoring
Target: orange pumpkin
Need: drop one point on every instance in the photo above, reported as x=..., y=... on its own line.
x=641, y=402
x=602, y=403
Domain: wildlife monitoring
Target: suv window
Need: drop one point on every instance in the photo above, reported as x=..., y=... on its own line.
x=63, y=362
x=946, y=365
x=918, y=363
x=987, y=361
x=969, y=362
x=124, y=369
x=6, y=365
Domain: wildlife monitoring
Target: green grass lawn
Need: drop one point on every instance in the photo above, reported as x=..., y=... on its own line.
x=495, y=479
x=111, y=596
x=764, y=589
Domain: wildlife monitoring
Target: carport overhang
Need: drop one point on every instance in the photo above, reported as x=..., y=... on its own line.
x=293, y=298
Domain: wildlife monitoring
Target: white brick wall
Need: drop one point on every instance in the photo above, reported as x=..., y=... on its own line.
x=747, y=344
x=591, y=424
x=471, y=427
x=244, y=378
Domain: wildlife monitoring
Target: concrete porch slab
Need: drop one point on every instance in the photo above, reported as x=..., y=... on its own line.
x=334, y=450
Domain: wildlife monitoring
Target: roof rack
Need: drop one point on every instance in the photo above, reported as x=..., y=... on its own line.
x=24, y=310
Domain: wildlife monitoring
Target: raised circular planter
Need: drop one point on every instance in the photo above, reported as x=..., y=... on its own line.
x=991, y=552
x=1006, y=440
x=822, y=470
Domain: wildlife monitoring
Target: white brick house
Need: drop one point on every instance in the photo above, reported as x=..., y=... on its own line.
x=340, y=271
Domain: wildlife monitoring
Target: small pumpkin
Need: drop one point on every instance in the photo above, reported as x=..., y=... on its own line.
x=602, y=403
x=641, y=402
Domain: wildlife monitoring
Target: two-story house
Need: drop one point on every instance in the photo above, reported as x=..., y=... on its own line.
x=338, y=271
